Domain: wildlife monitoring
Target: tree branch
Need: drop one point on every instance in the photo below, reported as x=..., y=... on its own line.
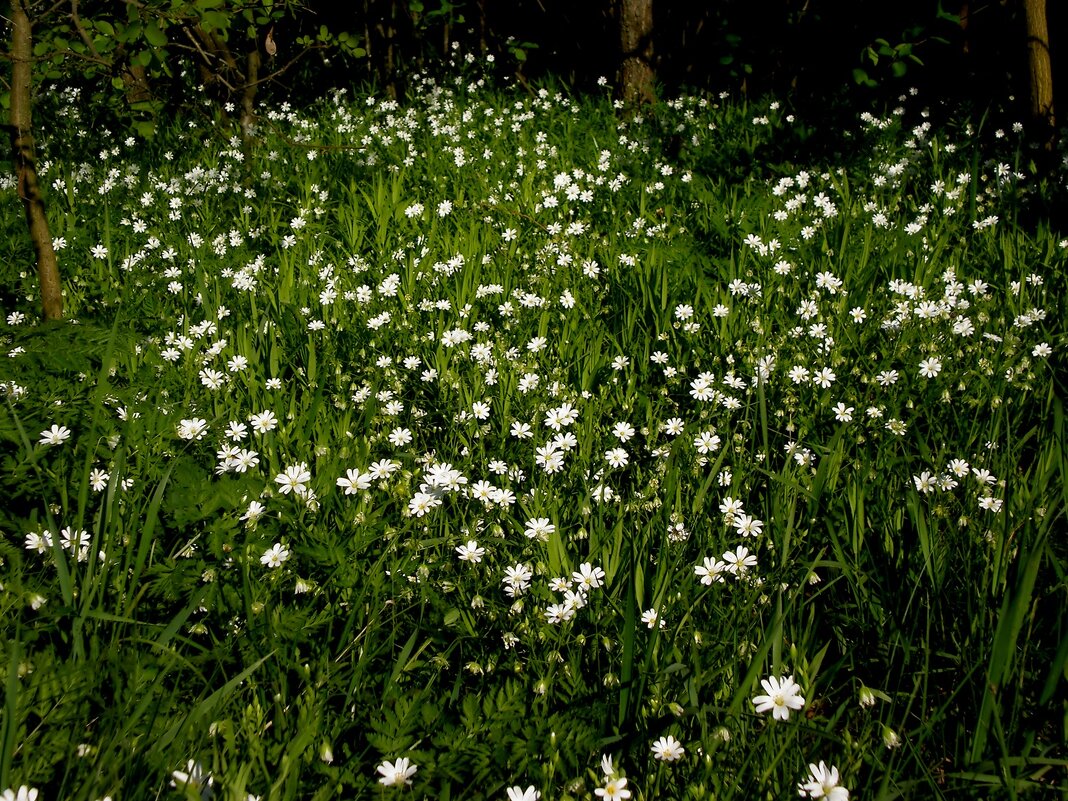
x=76, y=21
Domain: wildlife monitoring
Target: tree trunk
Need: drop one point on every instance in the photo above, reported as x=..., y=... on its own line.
x=483, y=38
x=248, y=93
x=25, y=163
x=1038, y=60
x=385, y=29
x=965, y=20
x=637, y=78
x=136, y=85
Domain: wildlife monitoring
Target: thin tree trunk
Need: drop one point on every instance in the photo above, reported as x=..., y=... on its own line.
x=483, y=39
x=25, y=163
x=637, y=78
x=248, y=93
x=1038, y=61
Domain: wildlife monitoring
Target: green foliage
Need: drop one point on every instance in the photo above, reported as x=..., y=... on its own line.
x=140, y=59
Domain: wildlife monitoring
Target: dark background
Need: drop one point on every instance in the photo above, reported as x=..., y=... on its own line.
x=809, y=48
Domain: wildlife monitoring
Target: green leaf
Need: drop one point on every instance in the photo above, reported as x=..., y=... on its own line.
x=948, y=17
x=154, y=36
x=899, y=68
x=104, y=27
x=214, y=21
x=129, y=33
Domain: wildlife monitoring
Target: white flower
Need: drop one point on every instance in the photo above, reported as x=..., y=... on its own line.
x=783, y=695
x=56, y=435
x=353, y=481
x=39, y=541
x=519, y=794
x=990, y=503
x=24, y=793
x=843, y=413
x=739, y=561
x=517, y=579
x=194, y=776
x=925, y=482
x=399, y=772
x=274, y=556
x=243, y=460
x=98, y=479
x=470, y=552
x=824, y=378
x=668, y=749
x=712, y=570
x=422, y=502
x=929, y=368
x=263, y=422
x=195, y=428
x=607, y=768
x=651, y=619
x=614, y=790
x=254, y=512
x=673, y=426
x=748, y=526
x=539, y=529
x=236, y=431
x=730, y=507
x=561, y=417
x=295, y=479
x=588, y=576
x=823, y=783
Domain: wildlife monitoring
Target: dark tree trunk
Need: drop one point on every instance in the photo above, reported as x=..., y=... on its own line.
x=483, y=38
x=381, y=37
x=637, y=78
x=25, y=163
x=1039, y=64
